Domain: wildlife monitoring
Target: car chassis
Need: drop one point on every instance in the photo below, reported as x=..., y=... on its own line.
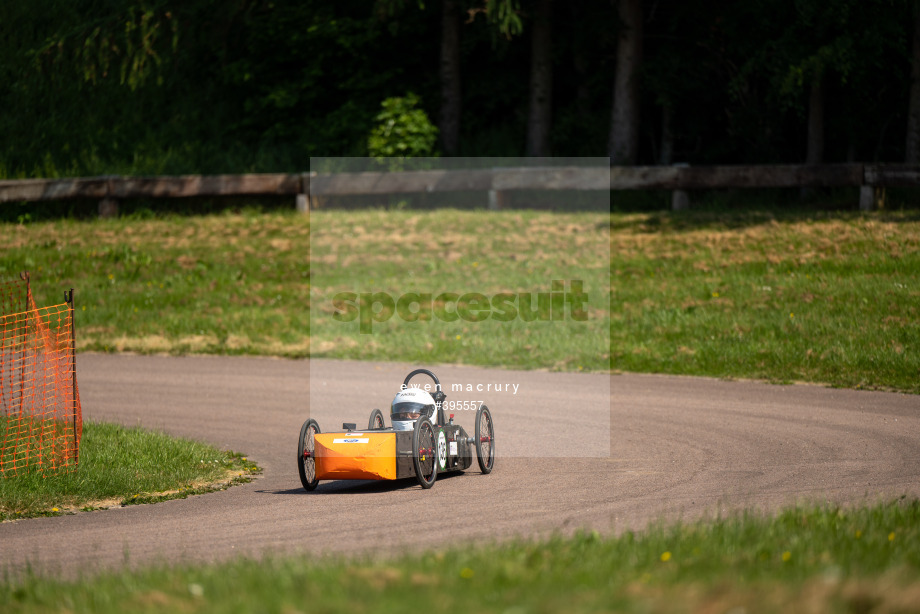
x=383, y=453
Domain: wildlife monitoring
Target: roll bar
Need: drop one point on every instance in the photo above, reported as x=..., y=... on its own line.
x=438, y=395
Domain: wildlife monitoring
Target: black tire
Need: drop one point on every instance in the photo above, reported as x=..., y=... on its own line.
x=376, y=422
x=485, y=440
x=306, y=462
x=424, y=454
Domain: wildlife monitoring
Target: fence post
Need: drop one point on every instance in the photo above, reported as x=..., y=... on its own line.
x=872, y=192
x=496, y=200
x=680, y=199
x=24, y=276
x=68, y=298
x=303, y=198
x=866, y=198
x=108, y=207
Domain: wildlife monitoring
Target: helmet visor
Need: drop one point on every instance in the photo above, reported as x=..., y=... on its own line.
x=409, y=411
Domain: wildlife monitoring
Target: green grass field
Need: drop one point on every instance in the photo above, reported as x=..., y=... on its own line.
x=831, y=299
x=221, y=284
x=827, y=298
x=806, y=559
x=123, y=466
x=463, y=253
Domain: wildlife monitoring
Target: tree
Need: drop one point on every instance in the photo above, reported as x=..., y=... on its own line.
x=450, y=113
x=833, y=60
x=506, y=16
x=539, y=117
x=814, y=151
x=912, y=148
x=623, y=145
x=678, y=70
x=451, y=98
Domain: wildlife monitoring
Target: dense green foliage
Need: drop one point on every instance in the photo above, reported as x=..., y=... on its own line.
x=402, y=130
x=155, y=86
x=805, y=559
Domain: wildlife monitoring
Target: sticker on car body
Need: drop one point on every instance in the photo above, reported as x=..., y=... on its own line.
x=442, y=449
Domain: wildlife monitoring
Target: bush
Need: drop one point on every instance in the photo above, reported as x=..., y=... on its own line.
x=402, y=130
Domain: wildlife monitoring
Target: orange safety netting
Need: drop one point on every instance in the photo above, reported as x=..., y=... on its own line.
x=40, y=415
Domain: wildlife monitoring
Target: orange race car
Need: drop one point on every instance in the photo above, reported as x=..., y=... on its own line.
x=419, y=443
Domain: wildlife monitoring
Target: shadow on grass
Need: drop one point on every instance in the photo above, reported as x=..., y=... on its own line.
x=723, y=220
x=732, y=209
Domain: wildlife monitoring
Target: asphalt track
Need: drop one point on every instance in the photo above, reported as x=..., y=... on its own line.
x=678, y=448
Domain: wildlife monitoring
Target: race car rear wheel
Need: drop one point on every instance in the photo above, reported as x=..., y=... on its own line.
x=376, y=422
x=485, y=439
x=306, y=462
x=424, y=454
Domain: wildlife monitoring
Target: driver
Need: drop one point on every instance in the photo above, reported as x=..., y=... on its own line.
x=410, y=405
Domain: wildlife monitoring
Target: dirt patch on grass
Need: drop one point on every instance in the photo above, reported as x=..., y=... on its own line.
x=230, y=478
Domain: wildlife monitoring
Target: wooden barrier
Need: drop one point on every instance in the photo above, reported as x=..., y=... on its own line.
x=205, y=185
x=32, y=190
x=110, y=189
x=685, y=177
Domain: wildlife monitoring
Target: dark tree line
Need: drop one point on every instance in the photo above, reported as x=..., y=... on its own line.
x=121, y=86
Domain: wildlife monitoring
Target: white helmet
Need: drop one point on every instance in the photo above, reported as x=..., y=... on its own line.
x=410, y=405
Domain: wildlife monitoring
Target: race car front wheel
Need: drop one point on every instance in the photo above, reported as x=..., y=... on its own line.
x=306, y=462
x=485, y=439
x=424, y=453
x=376, y=421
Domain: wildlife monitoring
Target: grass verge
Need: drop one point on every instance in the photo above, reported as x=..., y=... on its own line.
x=818, y=297
x=225, y=284
x=822, y=298
x=124, y=466
x=805, y=559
